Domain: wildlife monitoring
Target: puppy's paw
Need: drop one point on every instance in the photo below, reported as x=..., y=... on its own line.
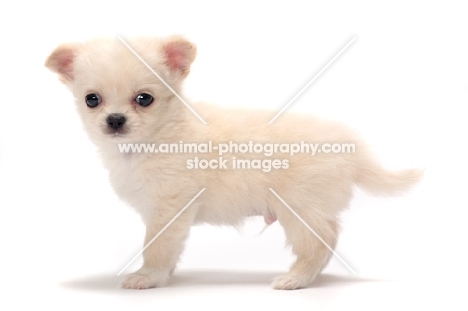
x=146, y=278
x=290, y=281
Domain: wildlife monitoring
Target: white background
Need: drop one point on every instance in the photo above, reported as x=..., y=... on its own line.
x=402, y=84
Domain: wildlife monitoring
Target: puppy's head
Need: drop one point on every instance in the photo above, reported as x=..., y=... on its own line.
x=118, y=97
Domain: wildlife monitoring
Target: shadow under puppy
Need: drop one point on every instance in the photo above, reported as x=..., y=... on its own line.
x=121, y=101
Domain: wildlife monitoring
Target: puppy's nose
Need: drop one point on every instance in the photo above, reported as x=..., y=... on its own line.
x=116, y=120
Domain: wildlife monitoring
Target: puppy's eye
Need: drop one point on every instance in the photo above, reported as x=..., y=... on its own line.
x=92, y=100
x=144, y=99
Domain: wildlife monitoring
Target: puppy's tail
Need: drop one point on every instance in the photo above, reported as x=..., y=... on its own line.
x=376, y=180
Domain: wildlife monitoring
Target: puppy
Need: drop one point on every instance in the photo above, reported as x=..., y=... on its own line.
x=122, y=101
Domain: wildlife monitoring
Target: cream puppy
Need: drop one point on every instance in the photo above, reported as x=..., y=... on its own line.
x=121, y=101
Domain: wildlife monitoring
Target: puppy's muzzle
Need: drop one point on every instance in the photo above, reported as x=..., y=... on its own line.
x=115, y=121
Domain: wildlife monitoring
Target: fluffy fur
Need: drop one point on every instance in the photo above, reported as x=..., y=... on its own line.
x=317, y=187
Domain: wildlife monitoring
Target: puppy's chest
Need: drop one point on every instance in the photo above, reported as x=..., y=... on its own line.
x=133, y=183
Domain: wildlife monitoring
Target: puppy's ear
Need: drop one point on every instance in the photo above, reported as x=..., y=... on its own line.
x=179, y=53
x=61, y=61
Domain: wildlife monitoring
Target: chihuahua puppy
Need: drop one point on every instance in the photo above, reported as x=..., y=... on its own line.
x=121, y=101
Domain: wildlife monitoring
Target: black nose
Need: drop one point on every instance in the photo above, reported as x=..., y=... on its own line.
x=116, y=120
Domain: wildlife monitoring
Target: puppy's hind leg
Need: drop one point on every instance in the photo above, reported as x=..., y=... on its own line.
x=312, y=254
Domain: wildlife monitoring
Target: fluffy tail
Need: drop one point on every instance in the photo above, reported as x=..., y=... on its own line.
x=375, y=179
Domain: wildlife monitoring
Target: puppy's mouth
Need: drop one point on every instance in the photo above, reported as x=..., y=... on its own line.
x=117, y=133
x=116, y=125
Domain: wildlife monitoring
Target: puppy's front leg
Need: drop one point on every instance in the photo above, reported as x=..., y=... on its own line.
x=162, y=254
